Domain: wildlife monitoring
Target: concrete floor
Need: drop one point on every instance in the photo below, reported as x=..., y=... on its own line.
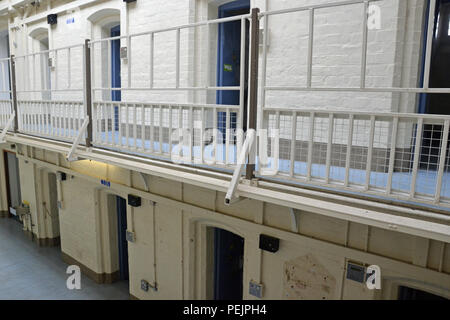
x=31, y=272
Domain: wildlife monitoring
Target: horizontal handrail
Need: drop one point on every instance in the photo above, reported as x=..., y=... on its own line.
x=175, y=28
x=314, y=7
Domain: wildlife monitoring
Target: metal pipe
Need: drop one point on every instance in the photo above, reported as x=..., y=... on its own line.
x=253, y=83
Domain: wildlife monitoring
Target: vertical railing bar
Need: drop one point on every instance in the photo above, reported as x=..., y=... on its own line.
x=255, y=117
x=109, y=67
x=13, y=88
x=310, y=144
x=180, y=126
x=143, y=127
x=127, y=128
x=370, y=152
x=152, y=133
x=65, y=107
x=202, y=133
x=442, y=159
x=34, y=66
x=227, y=136
x=4, y=76
x=178, y=39
x=56, y=69
x=129, y=60
x=135, y=125
x=215, y=126
x=33, y=117
x=349, y=149
x=239, y=124
x=416, y=157
x=160, y=130
x=208, y=55
x=72, y=119
x=69, y=69
x=329, y=146
x=392, y=155
x=192, y=133
x=152, y=48
x=106, y=120
x=119, y=119
x=310, y=48
x=170, y=128
x=255, y=34
x=87, y=82
x=92, y=50
x=113, y=124
x=364, y=45
x=55, y=122
x=41, y=118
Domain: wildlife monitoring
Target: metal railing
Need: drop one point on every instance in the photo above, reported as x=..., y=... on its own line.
x=5, y=92
x=68, y=94
x=179, y=132
x=395, y=155
x=60, y=120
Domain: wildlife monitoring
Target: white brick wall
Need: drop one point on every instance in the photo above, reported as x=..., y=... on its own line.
x=392, y=60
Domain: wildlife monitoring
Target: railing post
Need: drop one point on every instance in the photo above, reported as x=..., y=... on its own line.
x=12, y=62
x=253, y=82
x=88, y=91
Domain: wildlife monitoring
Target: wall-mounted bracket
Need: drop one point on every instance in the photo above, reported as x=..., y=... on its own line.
x=249, y=143
x=71, y=156
x=7, y=127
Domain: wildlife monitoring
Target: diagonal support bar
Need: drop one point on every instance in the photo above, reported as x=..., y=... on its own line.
x=7, y=127
x=71, y=156
x=247, y=148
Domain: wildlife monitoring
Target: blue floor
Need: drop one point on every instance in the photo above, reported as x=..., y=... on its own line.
x=401, y=181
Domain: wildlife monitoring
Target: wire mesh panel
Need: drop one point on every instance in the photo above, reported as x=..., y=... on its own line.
x=388, y=154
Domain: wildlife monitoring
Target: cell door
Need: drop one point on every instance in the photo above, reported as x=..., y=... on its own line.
x=122, y=238
x=116, y=82
x=12, y=181
x=228, y=265
x=439, y=71
x=229, y=59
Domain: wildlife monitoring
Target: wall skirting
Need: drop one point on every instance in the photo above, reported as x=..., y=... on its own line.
x=100, y=278
x=43, y=242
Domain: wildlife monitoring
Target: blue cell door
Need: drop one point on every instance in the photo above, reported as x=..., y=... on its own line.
x=440, y=62
x=229, y=58
x=228, y=265
x=122, y=237
x=116, y=95
x=115, y=64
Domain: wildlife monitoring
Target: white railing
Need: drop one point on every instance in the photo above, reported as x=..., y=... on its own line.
x=395, y=155
x=179, y=132
x=53, y=74
x=60, y=120
x=5, y=92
